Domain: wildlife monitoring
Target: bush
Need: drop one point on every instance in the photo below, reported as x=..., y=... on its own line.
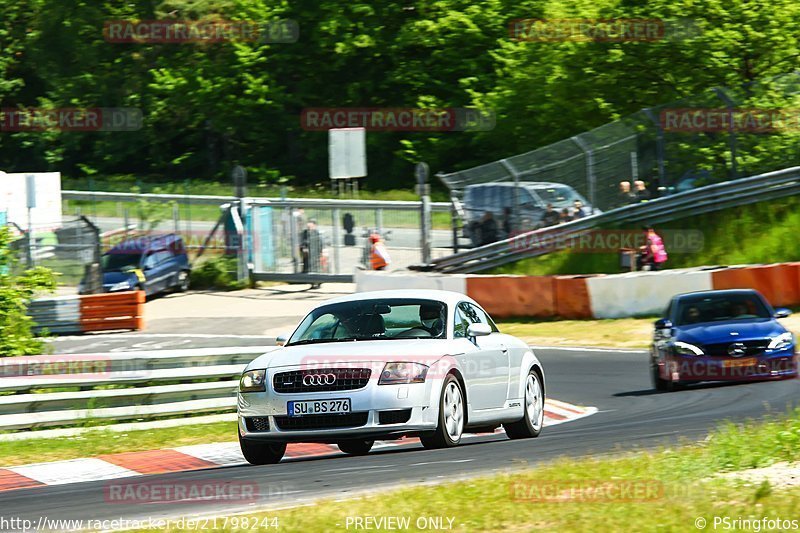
x=217, y=273
x=17, y=289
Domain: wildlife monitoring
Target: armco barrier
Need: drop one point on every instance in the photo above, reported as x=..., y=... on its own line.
x=97, y=312
x=598, y=296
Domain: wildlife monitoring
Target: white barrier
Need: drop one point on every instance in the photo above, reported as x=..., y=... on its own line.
x=642, y=293
x=371, y=280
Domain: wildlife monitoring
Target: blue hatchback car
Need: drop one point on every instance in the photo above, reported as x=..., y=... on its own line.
x=153, y=264
x=725, y=335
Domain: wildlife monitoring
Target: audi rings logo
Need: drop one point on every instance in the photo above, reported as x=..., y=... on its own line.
x=319, y=379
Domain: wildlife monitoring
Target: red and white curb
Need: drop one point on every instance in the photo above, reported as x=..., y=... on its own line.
x=201, y=456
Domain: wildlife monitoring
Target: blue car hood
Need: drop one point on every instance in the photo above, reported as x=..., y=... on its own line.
x=720, y=332
x=110, y=278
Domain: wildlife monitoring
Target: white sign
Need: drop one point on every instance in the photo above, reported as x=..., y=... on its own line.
x=46, y=216
x=347, y=153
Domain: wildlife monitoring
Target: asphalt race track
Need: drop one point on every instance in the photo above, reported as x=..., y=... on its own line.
x=617, y=383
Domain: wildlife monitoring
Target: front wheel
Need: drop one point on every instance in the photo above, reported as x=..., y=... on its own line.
x=533, y=418
x=262, y=453
x=451, y=417
x=356, y=447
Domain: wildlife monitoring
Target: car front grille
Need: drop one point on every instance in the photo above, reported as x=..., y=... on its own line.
x=751, y=348
x=257, y=423
x=350, y=420
x=321, y=380
x=395, y=416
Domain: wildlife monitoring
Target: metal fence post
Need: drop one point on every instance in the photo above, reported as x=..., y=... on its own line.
x=590, y=177
x=731, y=105
x=422, y=171
x=662, y=178
x=335, y=240
x=379, y=220
x=514, y=174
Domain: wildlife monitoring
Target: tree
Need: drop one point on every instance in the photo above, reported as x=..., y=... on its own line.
x=16, y=292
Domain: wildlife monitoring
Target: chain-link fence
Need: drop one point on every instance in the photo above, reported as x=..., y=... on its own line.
x=711, y=137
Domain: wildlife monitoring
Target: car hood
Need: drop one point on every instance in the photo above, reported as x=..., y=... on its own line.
x=115, y=276
x=425, y=351
x=722, y=332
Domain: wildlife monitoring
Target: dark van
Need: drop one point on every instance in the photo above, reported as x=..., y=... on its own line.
x=153, y=264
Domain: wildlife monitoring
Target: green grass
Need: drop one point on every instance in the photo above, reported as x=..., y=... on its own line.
x=101, y=442
x=765, y=232
x=681, y=486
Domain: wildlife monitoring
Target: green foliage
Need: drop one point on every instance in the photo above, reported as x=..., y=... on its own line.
x=209, y=106
x=16, y=292
x=218, y=273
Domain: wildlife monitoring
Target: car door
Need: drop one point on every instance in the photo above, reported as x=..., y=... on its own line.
x=485, y=360
x=156, y=271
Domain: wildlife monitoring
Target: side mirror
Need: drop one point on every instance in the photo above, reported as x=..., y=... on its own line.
x=479, y=330
x=782, y=312
x=282, y=339
x=663, y=323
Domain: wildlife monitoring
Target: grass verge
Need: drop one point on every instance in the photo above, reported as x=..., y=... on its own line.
x=663, y=490
x=101, y=442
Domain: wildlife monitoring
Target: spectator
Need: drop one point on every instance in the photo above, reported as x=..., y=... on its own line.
x=311, y=247
x=578, y=211
x=653, y=254
x=378, y=256
x=550, y=217
x=487, y=229
x=564, y=216
x=641, y=192
x=625, y=195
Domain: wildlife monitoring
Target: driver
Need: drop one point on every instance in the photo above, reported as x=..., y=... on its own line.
x=431, y=318
x=739, y=309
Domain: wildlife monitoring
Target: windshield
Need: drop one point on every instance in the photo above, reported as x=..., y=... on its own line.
x=121, y=261
x=558, y=196
x=720, y=308
x=373, y=320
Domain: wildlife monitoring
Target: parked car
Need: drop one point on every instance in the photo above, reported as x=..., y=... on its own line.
x=388, y=364
x=724, y=335
x=153, y=264
x=533, y=197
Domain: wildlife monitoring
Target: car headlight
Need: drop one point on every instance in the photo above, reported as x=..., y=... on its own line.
x=784, y=340
x=398, y=373
x=121, y=286
x=253, y=381
x=684, y=348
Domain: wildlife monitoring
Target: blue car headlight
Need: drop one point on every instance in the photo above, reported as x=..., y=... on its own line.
x=784, y=340
x=684, y=348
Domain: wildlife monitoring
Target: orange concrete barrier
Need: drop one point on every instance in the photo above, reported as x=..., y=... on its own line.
x=103, y=312
x=572, y=297
x=780, y=283
x=508, y=296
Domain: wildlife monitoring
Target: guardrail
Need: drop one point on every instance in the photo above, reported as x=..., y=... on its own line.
x=762, y=187
x=148, y=380
x=331, y=203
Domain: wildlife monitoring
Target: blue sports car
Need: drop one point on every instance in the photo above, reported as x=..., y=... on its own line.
x=725, y=335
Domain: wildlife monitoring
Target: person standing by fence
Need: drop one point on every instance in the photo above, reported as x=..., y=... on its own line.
x=653, y=254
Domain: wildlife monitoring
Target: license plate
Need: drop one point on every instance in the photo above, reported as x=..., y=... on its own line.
x=319, y=407
x=738, y=363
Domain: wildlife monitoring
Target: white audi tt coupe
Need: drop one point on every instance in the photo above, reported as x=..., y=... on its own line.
x=387, y=364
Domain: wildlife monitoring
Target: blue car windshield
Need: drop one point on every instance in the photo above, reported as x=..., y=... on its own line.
x=702, y=309
x=120, y=262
